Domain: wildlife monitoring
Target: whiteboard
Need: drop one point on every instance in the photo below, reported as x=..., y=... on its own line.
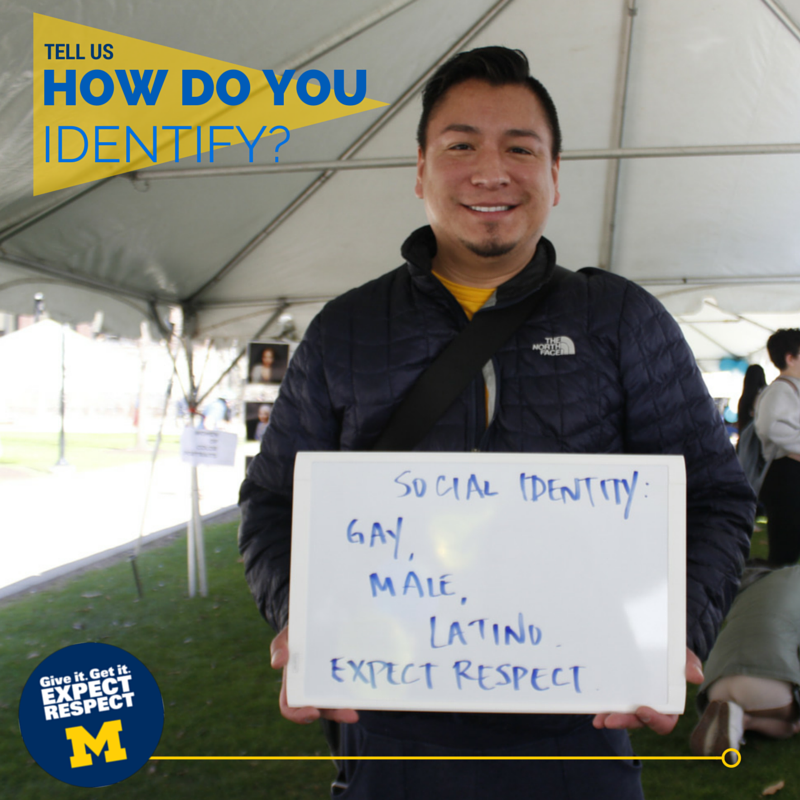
x=488, y=582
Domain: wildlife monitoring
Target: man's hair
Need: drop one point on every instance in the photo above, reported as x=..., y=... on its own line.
x=498, y=66
x=782, y=342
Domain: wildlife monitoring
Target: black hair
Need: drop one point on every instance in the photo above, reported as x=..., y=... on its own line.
x=754, y=382
x=783, y=342
x=498, y=66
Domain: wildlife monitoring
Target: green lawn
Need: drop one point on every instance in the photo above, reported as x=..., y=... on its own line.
x=210, y=658
x=38, y=452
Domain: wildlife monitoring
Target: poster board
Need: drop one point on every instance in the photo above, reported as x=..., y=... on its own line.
x=488, y=582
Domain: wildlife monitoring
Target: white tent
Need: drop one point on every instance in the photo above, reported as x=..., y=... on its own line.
x=681, y=168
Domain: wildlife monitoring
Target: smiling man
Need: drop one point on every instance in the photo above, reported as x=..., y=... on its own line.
x=488, y=173
x=598, y=366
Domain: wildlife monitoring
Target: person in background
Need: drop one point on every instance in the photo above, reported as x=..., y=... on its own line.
x=777, y=421
x=752, y=676
x=754, y=382
x=215, y=413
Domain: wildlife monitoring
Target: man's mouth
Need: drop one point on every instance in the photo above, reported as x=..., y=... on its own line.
x=490, y=209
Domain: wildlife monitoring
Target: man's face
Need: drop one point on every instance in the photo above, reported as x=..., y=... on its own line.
x=267, y=357
x=487, y=175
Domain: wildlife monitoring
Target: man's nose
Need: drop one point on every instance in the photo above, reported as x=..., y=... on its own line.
x=490, y=170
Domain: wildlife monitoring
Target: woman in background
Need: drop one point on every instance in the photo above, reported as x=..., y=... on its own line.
x=754, y=382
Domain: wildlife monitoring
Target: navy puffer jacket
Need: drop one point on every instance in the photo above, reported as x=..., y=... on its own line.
x=631, y=386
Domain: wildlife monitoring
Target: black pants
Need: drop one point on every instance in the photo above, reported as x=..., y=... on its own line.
x=781, y=496
x=477, y=780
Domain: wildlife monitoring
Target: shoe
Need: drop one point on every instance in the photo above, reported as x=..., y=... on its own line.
x=720, y=727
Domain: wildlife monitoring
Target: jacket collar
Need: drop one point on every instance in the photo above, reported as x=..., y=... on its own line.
x=420, y=247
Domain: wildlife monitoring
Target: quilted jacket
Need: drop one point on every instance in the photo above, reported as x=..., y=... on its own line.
x=600, y=367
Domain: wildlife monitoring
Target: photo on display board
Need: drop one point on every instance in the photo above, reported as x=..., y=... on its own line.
x=267, y=362
x=256, y=417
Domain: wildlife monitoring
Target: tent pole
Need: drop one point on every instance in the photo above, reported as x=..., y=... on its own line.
x=120, y=293
x=612, y=179
x=43, y=213
x=783, y=17
x=190, y=555
x=407, y=162
x=156, y=448
x=191, y=537
x=196, y=554
x=197, y=526
x=350, y=32
x=62, y=460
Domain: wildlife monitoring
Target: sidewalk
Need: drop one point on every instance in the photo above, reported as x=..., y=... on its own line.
x=52, y=524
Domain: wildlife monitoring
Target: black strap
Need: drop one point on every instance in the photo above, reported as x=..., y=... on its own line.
x=455, y=367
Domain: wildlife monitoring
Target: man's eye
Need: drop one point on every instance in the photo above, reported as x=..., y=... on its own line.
x=522, y=150
x=460, y=146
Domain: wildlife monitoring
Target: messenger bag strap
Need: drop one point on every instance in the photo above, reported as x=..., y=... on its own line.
x=456, y=366
x=786, y=380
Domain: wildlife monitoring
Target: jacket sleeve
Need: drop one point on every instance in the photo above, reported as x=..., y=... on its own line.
x=669, y=411
x=302, y=419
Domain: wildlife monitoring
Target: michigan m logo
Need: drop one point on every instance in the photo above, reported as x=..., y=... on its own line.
x=108, y=736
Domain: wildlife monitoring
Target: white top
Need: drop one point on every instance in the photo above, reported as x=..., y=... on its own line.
x=777, y=418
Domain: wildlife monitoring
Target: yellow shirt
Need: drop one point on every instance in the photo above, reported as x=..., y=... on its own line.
x=470, y=298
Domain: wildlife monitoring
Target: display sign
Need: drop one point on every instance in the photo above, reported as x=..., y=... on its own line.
x=488, y=582
x=200, y=446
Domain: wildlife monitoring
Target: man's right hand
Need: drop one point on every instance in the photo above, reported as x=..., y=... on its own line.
x=279, y=658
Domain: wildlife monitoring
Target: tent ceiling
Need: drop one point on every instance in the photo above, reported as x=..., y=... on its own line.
x=700, y=73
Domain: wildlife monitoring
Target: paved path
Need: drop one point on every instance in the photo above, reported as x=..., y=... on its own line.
x=52, y=524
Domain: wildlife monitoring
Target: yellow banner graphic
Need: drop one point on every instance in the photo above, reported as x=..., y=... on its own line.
x=105, y=104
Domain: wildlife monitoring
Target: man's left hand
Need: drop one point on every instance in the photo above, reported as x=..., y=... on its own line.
x=645, y=716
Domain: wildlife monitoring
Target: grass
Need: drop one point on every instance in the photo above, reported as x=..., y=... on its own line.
x=38, y=452
x=210, y=657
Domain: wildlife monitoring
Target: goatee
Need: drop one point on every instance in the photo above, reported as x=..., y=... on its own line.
x=490, y=249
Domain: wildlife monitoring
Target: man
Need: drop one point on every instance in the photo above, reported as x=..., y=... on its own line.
x=599, y=367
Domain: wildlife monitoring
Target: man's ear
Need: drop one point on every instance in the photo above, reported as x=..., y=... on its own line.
x=420, y=169
x=555, y=168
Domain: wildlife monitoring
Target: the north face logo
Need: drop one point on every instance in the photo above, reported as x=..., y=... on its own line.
x=556, y=346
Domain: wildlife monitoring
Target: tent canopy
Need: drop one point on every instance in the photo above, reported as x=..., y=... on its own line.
x=651, y=83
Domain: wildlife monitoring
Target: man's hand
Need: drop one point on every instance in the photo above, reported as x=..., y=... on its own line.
x=645, y=716
x=279, y=658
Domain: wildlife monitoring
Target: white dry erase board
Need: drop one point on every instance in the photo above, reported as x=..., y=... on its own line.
x=488, y=582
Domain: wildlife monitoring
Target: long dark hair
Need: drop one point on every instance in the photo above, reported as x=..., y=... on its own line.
x=754, y=382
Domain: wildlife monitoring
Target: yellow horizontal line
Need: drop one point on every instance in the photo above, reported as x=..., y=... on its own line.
x=436, y=758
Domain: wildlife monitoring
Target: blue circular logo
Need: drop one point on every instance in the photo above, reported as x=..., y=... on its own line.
x=91, y=715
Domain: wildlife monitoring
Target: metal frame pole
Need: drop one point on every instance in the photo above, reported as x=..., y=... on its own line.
x=612, y=180
x=62, y=459
x=197, y=528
